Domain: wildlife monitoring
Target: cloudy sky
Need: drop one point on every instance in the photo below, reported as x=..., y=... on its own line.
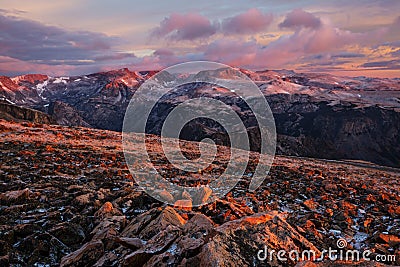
x=79, y=37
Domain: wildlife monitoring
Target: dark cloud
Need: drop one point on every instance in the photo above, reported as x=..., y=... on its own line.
x=330, y=58
x=33, y=41
x=163, y=52
x=300, y=18
x=389, y=64
x=348, y=55
x=325, y=63
x=115, y=56
x=269, y=35
x=395, y=44
x=396, y=53
x=251, y=21
x=189, y=26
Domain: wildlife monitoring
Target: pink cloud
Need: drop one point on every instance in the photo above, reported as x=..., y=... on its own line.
x=162, y=58
x=306, y=41
x=185, y=27
x=300, y=18
x=311, y=36
x=11, y=66
x=59, y=51
x=231, y=51
x=251, y=21
x=325, y=38
x=287, y=49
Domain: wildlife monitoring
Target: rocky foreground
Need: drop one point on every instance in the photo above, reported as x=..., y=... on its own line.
x=67, y=198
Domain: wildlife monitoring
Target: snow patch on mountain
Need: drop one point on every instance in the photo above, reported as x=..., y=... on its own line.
x=61, y=80
x=41, y=87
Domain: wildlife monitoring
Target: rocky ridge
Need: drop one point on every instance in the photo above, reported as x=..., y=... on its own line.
x=12, y=112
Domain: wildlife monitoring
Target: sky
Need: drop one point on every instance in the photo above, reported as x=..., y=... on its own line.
x=349, y=38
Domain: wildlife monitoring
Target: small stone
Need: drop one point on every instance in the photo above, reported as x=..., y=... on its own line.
x=310, y=204
x=137, y=258
x=306, y=264
x=165, y=195
x=203, y=195
x=367, y=223
x=107, y=210
x=167, y=217
x=330, y=187
x=87, y=255
x=370, y=198
x=132, y=243
x=392, y=240
x=68, y=233
x=184, y=204
x=4, y=260
x=83, y=199
x=17, y=196
x=186, y=195
x=329, y=212
x=108, y=259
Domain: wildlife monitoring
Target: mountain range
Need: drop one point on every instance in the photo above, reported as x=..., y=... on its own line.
x=316, y=115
